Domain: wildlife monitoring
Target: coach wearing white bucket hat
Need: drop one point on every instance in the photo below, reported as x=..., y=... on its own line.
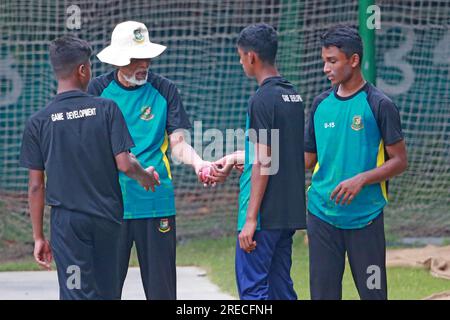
x=154, y=114
x=130, y=40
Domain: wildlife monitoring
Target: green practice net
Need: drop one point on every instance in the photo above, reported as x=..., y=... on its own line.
x=413, y=63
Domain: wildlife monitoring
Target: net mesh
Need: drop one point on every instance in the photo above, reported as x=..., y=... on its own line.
x=413, y=62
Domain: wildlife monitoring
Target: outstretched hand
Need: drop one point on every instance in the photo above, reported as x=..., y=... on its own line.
x=225, y=165
x=239, y=167
x=210, y=175
x=203, y=171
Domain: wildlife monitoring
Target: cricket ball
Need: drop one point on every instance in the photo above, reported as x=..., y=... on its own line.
x=204, y=173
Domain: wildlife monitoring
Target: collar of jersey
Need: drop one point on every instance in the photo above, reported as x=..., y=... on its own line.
x=70, y=93
x=363, y=88
x=269, y=79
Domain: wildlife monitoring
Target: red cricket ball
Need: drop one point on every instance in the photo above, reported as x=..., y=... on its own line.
x=204, y=173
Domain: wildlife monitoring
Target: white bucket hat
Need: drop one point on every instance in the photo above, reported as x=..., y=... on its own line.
x=129, y=40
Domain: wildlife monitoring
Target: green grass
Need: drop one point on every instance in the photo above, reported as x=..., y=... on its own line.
x=26, y=264
x=217, y=258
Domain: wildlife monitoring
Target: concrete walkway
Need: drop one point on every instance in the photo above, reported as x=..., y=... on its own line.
x=43, y=285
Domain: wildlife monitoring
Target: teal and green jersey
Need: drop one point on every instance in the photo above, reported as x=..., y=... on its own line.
x=152, y=112
x=349, y=135
x=245, y=180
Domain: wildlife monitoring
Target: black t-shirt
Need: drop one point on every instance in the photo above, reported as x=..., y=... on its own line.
x=74, y=139
x=278, y=106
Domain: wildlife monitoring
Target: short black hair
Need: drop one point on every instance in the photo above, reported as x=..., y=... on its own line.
x=344, y=37
x=260, y=38
x=68, y=52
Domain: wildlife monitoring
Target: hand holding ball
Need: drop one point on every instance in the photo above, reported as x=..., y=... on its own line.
x=204, y=173
x=156, y=176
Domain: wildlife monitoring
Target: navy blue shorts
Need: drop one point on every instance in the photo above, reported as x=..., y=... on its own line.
x=264, y=274
x=366, y=251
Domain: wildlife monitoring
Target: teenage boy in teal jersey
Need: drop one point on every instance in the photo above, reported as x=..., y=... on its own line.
x=272, y=194
x=355, y=143
x=155, y=117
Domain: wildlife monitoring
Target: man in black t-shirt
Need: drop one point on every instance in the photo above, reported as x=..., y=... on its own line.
x=79, y=141
x=272, y=194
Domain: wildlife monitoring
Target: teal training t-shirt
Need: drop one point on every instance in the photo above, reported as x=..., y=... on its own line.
x=349, y=135
x=245, y=181
x=152, y=112
x=275, y=118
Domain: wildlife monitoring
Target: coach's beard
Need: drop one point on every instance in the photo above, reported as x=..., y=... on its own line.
x=134, y=81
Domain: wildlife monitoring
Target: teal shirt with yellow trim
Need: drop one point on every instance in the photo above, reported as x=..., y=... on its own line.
x=152, y=112
x=349, y=135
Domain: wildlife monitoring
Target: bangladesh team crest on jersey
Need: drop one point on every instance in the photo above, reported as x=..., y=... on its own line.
x=138, y=36
x=164, y=225
x=357, y=123
x=146, y=113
